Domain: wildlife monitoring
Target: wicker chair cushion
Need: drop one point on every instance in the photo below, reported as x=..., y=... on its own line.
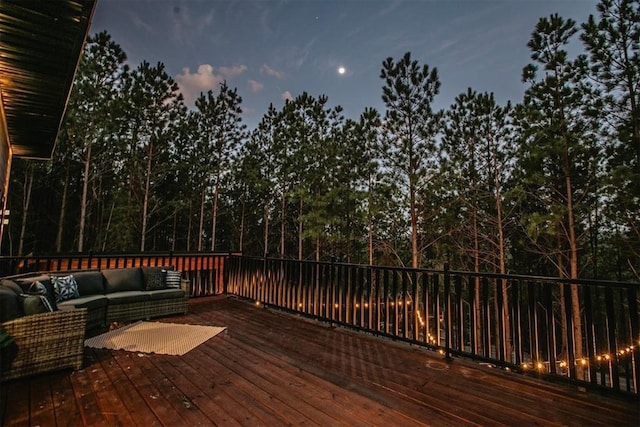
x=10, y=284
x=10, y=306
x=123, y=279
x=154, y=278
x=65, y=288
x=36, y=304
x=89, y=282
x=26, y=284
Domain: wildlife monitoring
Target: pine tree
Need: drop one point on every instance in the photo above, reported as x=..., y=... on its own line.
x=558, y=155
x=411, y=128
x=91, y=114
x=153, y=104
x=221, y=133
x=614, y=59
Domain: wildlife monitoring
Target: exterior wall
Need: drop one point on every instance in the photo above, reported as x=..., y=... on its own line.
x=5, y=165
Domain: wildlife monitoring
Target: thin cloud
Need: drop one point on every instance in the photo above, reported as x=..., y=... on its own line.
x=188, y=26
x=272, y=72
x=286, y=96
x=138, y=22
x=255, y=86
x=231, y=72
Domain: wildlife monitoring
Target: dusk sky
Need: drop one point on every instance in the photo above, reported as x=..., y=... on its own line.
x=271, y=50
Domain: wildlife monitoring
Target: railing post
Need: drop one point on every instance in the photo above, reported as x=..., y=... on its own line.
x=447, y=314
x=635, y=336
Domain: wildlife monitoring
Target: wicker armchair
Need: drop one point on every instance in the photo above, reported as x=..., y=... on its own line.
x=46, y=342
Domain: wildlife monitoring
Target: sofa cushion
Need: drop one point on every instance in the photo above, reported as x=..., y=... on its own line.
x=154, y=278
x=89, y=302
x=122, y=279
x=89, y=283
x=65, y=287
x=166, y=294
x=10, y=305
x=127, y=297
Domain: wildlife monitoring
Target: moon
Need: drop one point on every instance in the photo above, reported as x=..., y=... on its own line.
x=341, y=70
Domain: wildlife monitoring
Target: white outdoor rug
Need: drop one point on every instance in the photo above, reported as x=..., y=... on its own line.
x=155, y=337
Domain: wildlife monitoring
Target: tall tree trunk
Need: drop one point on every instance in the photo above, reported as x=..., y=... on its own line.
x=283, y=224
x=63, y=208
x=575, y=296
x=106, y=231
x=27, y=186
x=201, y=225
x=214, y=214
x=189, y=225
x=414, y=226
x=145, y=201
x=266, y=228
x=83, y=199
x=370, y=225
x=242, y=214
x=174, y=233
x=413, y=204
x=501, y=249
x=300, y=229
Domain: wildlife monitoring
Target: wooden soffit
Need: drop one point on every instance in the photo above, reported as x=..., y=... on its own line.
x=40, y=46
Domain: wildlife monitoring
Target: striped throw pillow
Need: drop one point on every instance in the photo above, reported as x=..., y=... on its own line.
x=173, y=278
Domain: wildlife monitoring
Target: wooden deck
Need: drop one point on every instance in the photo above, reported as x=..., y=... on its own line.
x=270, y=368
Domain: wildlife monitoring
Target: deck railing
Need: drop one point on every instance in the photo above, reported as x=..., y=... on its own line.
x=205, y=271
x=519, y=323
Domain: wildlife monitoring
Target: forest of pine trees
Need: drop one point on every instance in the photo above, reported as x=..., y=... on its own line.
x=548, y=186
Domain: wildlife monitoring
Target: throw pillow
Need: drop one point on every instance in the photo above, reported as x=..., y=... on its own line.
x=173, y=278
x=35, y=304
x=65, y=288
x=154, y=278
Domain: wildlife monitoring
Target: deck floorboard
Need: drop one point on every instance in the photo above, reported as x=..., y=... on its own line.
x=273, y=368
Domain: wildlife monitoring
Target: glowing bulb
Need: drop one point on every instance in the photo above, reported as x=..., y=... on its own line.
x=540, y=365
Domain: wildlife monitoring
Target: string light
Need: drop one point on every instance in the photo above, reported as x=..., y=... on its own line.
x=583, y=361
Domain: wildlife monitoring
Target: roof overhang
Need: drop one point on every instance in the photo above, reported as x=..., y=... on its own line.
x=40, y=46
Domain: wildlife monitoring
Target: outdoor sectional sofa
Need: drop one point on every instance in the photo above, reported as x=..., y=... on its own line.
x=55, y=340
